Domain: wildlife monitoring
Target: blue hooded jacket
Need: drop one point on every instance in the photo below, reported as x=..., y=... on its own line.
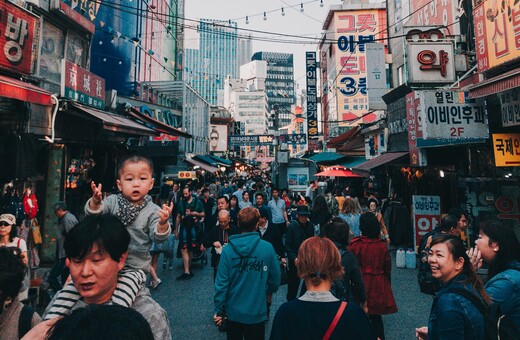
x=248, y=269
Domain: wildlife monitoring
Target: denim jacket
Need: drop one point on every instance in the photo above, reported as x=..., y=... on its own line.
x=504, y=289
x=453, y=316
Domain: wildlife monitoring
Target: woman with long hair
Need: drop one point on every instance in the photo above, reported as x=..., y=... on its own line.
x=319, y=213
x=349, y=214
x=318, y=314
x=373, y=207
x=454, y=315
x=376, y=266
x=233, y=209
x=498, y=246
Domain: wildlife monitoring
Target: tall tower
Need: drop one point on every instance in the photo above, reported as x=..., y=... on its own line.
x=279, y=85
x=245, y=50
x=206, y=68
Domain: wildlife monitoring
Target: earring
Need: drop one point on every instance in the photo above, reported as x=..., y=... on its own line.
x=495, y=250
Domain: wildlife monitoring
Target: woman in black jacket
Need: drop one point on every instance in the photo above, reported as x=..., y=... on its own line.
x=351, y=286
x=320, y=214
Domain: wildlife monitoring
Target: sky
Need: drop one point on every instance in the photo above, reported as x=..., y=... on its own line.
x=306, y=23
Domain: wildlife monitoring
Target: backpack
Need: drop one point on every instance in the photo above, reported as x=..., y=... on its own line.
x=25, y=321
x=496, y=324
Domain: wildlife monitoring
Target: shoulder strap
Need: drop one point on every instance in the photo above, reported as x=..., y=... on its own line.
x=25, y=321
x=471, y=297
x=18, y=243
x=334, y=322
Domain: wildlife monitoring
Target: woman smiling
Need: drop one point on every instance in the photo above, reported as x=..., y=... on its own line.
x=453, y=314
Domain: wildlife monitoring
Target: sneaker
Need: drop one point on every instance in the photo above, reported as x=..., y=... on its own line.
x=170, y=267
x=164, y=265
x=156, y=284
x=191, y=274
x=184, y=276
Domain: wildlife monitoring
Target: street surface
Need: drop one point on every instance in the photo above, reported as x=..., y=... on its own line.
x=189, y=303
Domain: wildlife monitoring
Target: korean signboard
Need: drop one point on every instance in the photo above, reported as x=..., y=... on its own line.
x=376, y=76
x=497, y=33
x=295, y=138
x=507, y=149
x=218, y=138
x=440, y=13
x=81, y=85
x=18, y=34
x=186, y=174
x=510, y=105
x=430, y=62
x=354, y=29
x=251, y=140
x=417, y=156
x=426, y=212
x=312, y=102
x=452, y=115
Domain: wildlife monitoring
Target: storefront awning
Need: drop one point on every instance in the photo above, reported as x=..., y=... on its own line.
x=110, y=121
x=202, y=165
x=326, y=157
x=154, y=123
x=221, y=161
x=16, y=89
x=380, y=160
x=353, y=162
x=503, y=82
x=206, y=159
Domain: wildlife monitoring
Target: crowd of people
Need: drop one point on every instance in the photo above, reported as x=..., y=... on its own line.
x=332, y=253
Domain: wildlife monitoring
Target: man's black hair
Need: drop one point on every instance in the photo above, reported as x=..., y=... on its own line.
x=369, y=225
x=223, y=197
x=60, y=206
x=107, y=231
x=102, y=322
x=12, y=272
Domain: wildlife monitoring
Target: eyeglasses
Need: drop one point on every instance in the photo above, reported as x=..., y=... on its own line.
x=4, y=224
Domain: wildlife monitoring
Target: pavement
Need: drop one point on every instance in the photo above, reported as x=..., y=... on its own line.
x=189, y=303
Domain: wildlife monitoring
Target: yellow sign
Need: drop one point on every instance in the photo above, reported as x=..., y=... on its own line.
x=187, y=174
x=507, y=149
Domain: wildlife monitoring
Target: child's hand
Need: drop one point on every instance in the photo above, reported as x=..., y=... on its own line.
x=97, y=193
x=164, y=213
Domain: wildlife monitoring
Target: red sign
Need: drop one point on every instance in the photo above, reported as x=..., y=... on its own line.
x=423, y=225
x=18, y=30
x=414, y=132
x=81, y=85
x=77, y=17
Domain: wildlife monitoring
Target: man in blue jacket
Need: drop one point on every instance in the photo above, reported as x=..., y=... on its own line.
x=248, y=269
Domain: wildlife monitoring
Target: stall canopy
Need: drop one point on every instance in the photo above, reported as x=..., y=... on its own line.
x=221, y=161
x=155, y=124
x=16, y=89
x=323, y=157
x=110, y=121
x=202, y=165
x=380, y=160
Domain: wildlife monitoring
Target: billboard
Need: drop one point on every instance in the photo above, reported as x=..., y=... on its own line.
x=297, y=178
x=354, y=29
x=510, y=105
x=497, y=33
x=376, y=76
x=414, y=127
x=18, y=34
x=449, y=114
x=431, y=62
x=312, y=102
x=435, y=13
x=218, y=138
x=82, y=86
x=506, y=147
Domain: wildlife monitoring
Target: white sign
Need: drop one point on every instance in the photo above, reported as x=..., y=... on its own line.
x=426, y=211
x=376, y=75
x=451, y=115
x=431, y=62
x=510, y=103
x=297, y=178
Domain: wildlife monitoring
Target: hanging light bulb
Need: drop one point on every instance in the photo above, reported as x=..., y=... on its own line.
x=120, y=62
x=104, y=59
x=321, y=3
x=247, y=20
x=301, y=7
x=101, y=42
x=283, y=12
x=265, y=17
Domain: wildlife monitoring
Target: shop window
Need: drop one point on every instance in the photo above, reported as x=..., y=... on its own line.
x=52, y=52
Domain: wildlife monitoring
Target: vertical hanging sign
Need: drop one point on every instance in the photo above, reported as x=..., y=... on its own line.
x=312, y=106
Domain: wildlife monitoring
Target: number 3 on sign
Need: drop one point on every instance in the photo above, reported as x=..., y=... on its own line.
x=457, y=132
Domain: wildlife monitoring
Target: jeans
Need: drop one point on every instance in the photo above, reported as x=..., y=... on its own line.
x=240, y=331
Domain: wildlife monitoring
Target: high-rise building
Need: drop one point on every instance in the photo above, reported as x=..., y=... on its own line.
x=244, y=51
x=279, y=85
x=207, y=67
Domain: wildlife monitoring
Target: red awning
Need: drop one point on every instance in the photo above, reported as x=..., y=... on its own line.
x=503, y=82
x=379, y=160
x=157, y=125
x=338, y=141
x=17, y=89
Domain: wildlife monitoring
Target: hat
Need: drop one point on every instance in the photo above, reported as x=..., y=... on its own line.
x=8, y=218
x=303, y=210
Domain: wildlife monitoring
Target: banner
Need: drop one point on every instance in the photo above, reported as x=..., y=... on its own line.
x=218, y=138
x=426, y=212
x=312, y=102
x=251, y=140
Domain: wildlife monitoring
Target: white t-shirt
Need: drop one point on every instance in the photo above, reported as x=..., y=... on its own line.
x=18, y=242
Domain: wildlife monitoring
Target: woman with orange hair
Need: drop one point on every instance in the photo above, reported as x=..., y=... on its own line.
x=318, y=314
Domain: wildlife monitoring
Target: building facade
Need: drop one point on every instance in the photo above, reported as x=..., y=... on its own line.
x=279, y=86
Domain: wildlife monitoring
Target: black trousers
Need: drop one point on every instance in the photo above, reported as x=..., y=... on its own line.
x=242, y=331
x=293, y=283
x=377, y=325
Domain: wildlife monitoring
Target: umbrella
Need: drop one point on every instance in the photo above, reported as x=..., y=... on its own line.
x=337, y=171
